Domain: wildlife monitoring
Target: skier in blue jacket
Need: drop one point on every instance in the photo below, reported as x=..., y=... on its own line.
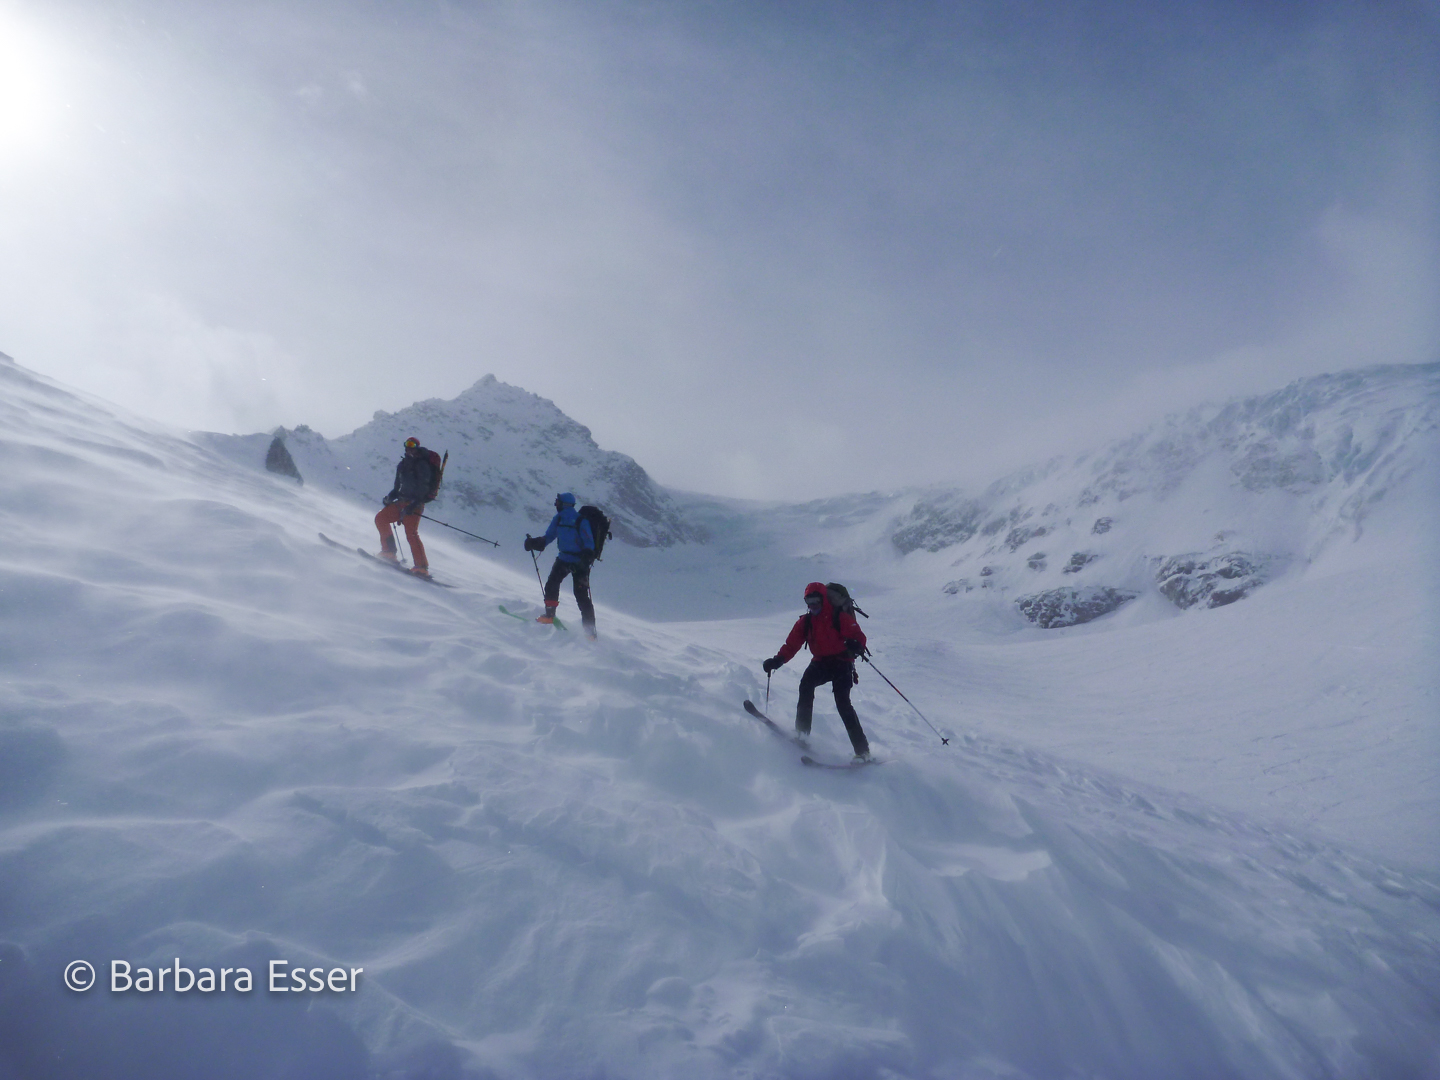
x=575, y=552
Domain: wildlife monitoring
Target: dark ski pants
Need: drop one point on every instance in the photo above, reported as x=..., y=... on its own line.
x=396, y=512
x=839, y=672
x=580, y=580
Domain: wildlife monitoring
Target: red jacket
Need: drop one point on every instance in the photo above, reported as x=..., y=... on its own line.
x=818, y=631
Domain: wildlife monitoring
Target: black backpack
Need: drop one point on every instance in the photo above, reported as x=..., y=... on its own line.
x=437, y=463
x=599, y=526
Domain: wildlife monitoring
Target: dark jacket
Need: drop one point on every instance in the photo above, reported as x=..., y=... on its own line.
x=415, y=477
x=573, y=538
x=818, y=632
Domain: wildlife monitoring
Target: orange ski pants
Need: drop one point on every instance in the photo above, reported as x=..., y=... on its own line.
x=387, y=516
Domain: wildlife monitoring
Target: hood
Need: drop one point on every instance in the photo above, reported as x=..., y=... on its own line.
x=566, y=499
x=819, y=587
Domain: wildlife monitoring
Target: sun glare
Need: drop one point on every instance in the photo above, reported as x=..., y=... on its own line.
x=27, y=101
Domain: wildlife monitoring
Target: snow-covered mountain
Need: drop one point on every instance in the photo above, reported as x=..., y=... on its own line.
x=225, y=746
x=1202, y=507
x=510, y=452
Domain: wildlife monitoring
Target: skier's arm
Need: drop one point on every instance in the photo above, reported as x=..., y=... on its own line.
x=793, y=642
x=850, y=632
x=538, y=543
x=394, y=491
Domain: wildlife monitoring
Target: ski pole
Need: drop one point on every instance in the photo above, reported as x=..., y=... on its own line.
x=767, y=693
x=536, y=560
x=395, y=535
x=437, y=521
x=943, y=740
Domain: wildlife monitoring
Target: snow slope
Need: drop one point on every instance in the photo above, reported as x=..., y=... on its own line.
x=222, y=743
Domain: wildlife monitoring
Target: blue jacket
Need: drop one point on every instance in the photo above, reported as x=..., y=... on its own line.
x=574, y=540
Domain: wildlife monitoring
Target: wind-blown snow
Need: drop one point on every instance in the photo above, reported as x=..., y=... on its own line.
x=223, y=742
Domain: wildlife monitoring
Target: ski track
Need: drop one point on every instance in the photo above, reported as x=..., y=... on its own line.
x=222, y=741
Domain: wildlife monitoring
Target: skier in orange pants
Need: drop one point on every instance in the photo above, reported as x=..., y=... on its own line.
x=417, y=479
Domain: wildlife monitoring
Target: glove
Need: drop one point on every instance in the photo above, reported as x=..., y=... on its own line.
x=771, y=664
x=388, y=499
x=854, y=649
x=534, y=543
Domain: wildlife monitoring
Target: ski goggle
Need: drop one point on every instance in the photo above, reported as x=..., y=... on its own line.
x=411, y=444
x=815, y=600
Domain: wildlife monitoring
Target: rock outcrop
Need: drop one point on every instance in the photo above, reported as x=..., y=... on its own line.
x=1070, y=607
x=278, y=459
x=1212, y=581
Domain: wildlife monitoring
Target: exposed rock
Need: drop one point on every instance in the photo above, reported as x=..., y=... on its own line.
x=1022, y=535
x=1070, y=607
x=1212, y=581
x=278, y=459
x=1102, y=525
x=959, y=585
x=934, y=525
x=1036, y=561
x=1079, y=561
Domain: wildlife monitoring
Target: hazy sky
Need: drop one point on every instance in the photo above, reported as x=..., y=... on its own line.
x=769, y=249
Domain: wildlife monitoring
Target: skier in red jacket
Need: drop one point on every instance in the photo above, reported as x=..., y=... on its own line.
x=835, y=640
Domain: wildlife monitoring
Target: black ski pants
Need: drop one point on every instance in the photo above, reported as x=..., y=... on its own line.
x=839, y=672
x=580, y=580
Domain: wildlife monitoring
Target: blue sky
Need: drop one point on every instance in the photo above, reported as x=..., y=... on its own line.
x=770, y=250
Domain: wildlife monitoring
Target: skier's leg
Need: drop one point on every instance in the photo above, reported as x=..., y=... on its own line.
x=805, y=707
x=581, y=581
x=387, y=516
x=412, y=537
x=841, y=683
x=552, y=587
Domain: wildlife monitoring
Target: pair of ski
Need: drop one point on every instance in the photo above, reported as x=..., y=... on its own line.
x=386, y=562
x=805, y=759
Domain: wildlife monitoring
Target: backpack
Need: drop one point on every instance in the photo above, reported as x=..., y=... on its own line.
x=437, y=463
x=840, y=600
x=599, y=526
